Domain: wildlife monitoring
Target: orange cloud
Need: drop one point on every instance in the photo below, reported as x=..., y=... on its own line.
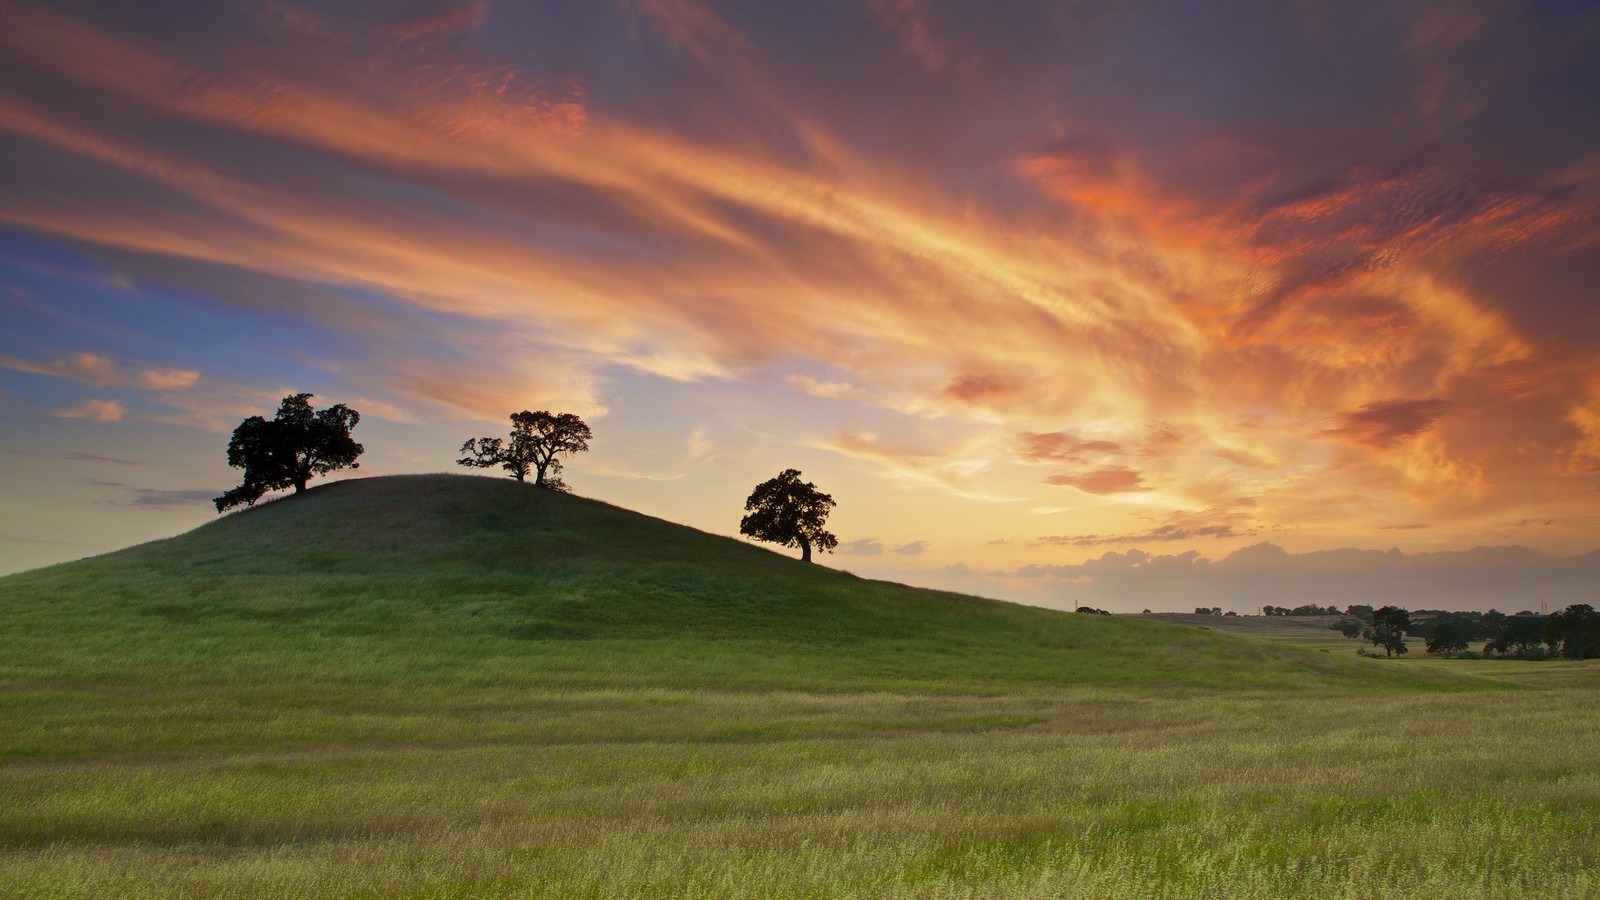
x=102, y=371
x=1228, y=520
x=1058, y=446
x=1384, y=423
x=1104, y=480
x=98, y=410
x=168, y=379
x=91, y=368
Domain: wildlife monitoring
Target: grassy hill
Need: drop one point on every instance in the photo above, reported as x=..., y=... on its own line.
x=442, y=579
x=455, y=687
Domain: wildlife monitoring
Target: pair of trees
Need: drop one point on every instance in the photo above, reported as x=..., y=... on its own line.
x=300, y=442
x=782, y=510
x=537, y=440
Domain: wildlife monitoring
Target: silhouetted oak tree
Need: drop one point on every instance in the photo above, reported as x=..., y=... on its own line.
x=1448, y=638
x=790, y=512
x=1574, y=632
x=1389, y=628
x=297, y=444
x=537, y=438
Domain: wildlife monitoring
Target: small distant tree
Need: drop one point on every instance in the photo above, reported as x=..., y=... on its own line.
x=789, y=512
x=1389, y=627
x=1350, y=628
x=295, y=445
x=1360, y=611
x=1448, y=638
x=537, y=439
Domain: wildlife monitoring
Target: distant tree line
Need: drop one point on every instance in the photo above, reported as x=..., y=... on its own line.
x=1573, y=633
x=1310, y=609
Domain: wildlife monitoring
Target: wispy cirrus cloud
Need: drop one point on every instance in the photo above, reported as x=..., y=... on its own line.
x=98, y=410
x=1224, y=520
x=1059, y=446
x=72, y=456
x=101, y=370
x=161, y=498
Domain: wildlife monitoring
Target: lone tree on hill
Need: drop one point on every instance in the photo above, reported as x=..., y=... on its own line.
x=297, y=444
x=537, y=438
x=790, y=512
x=1389, y=628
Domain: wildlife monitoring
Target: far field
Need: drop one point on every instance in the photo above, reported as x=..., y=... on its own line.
x=458, y=687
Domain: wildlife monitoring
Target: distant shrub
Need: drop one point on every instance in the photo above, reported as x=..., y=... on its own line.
x=1469, y=654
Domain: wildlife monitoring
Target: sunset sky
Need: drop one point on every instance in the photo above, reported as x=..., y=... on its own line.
x=1132, y=305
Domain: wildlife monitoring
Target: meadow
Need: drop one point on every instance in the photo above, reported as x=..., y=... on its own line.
x=459, y=687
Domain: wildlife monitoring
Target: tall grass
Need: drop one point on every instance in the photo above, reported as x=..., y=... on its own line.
x=452, y=688
x=1077, y=792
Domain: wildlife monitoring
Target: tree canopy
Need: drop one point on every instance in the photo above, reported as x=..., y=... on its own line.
x=297, y=444
x=789, y=512
x=1389, y=627
x=1447, y=638
x=537, y=439
x=1574, y=632
x=1520, y=635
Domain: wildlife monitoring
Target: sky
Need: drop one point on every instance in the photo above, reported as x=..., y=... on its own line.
x=1131, y=305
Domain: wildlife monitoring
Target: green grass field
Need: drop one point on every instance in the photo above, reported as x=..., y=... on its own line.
x=441, y=686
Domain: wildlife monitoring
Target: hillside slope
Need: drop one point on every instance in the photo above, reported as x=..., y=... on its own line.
x=445, y=579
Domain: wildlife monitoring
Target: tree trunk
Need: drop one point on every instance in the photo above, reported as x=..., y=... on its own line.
x=805, y=550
